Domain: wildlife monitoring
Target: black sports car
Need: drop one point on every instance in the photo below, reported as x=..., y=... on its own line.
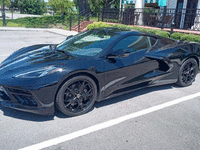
x=92, y=66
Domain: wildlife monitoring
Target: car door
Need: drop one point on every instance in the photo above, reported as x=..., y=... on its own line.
x=124, y=72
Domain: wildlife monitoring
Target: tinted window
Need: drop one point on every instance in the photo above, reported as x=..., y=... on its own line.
x=153, y=40
x=133, y=43
x=166, y=41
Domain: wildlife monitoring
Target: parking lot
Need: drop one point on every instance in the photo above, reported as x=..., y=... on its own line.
x=158, y=118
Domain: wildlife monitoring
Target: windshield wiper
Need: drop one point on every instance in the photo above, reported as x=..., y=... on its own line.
x=65, y=52
x=53, y=47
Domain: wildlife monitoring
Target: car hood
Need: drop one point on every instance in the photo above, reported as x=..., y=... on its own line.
x=31, y=58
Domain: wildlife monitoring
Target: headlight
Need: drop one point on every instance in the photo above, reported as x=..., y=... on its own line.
x=39, y=73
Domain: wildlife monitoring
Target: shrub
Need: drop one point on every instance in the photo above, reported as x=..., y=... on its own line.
x=176, y=35
x=152, y=31
x=139, y=29
x=191, y=37
x=97, y=25
x=163, y=33
x=121, y=26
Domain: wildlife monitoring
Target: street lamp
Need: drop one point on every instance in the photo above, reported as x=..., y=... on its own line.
x=12, y=1
x=3, y=14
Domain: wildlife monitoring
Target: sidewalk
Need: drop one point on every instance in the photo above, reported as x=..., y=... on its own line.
x=174, y=30
x=52, y=30
x=165, y=29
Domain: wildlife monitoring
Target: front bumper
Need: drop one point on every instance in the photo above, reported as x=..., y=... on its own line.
x=25, y=100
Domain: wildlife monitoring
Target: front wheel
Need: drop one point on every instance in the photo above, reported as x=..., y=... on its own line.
x=188, y=72
x=77, y=96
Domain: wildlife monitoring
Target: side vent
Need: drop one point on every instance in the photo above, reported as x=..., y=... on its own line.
x=163, y=66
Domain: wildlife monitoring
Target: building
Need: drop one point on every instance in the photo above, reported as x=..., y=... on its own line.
x=186, y=13
x=148, y=3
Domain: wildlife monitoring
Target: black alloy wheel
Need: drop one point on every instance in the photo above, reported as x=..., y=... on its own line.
x=188, y=72
x=77, y=96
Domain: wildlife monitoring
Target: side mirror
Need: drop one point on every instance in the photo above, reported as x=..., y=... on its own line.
x=180, y=41
x=118, y=53
x=70, y=36
x=53, y=47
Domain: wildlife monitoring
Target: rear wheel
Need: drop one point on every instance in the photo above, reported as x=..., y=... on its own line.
x=77, y=96
x=188, y=72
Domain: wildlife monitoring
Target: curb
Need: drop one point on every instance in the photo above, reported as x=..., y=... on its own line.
x=51, y=30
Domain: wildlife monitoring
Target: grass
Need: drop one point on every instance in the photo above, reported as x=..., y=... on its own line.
x=39, y=22
x=94, y=18
x=45, y=22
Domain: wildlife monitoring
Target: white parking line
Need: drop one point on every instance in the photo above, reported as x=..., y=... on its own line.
x=107, y=124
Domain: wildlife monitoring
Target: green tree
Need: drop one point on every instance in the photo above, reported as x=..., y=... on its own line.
x=7, y=3
x=95, y=5
x=61, y=6
x=37, y=7
x=14, y=4
x=108, y=3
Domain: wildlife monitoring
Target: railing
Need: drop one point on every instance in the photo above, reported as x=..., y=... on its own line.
x=163, y=18
x=81, y=18
x=60, y=21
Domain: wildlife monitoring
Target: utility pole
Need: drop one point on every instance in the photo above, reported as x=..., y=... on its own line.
x=3, y=14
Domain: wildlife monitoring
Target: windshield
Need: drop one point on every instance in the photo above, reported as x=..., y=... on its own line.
x=89, y=43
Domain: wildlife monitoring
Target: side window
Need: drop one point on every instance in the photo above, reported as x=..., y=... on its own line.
x=152, y=40
x=124, y=43
x=133, y=43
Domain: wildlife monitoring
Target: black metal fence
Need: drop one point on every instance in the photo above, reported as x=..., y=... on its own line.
x=163, y=18
x=81, y=20
x=6, y=10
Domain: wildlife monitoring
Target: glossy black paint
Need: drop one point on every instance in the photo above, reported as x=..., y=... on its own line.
x=113, y=74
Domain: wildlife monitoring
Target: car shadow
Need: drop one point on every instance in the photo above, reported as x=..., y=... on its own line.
x=133, y=94
x=39, y=118
x=24, y=115
x=124, y=97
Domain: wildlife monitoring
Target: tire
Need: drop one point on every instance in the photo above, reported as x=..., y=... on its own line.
x=187, y=72
x=77, y=96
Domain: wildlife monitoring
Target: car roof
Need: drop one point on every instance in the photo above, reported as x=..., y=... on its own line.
x=121, y=31
x=115, y=30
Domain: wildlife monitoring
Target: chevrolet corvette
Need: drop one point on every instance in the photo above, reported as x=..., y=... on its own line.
x=92, y=66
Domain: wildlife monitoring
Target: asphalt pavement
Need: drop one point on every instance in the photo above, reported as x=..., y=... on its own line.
x=157, y=118
x=12, y=38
